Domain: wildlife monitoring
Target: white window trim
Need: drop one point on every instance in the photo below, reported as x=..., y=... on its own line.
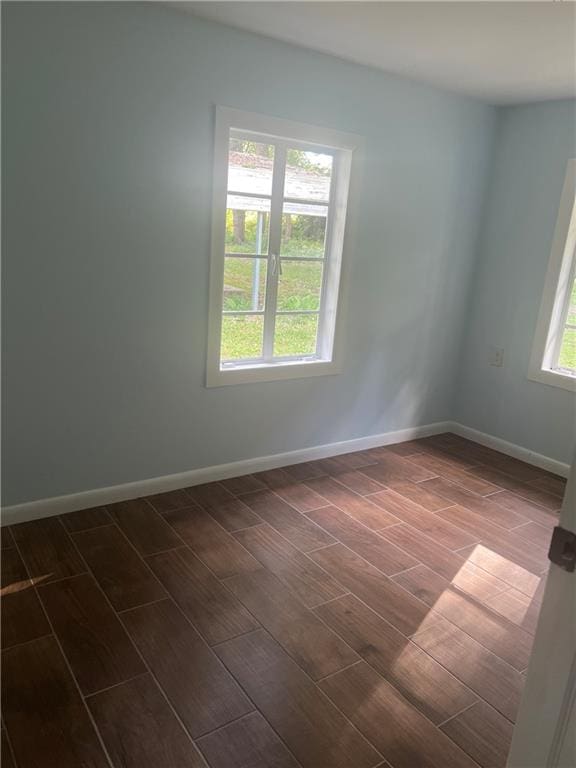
x=344, y=144
x=559, y=278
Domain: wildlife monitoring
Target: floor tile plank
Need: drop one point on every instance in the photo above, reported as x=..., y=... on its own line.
x=22, y=616
x=307, y=580
x=494, y=513
x=548, y=501
x=147, y=531
x=516, y=468
x=517, y=608
x=211, y=608
x=392, y=468
x=300, y=496
x=200, y=689
x=43, y=711
x=482, y=671
x=6, y=538
x=482, y=733
x=243, y=484
x=536, y=533
x=164, y=502
x=527, y=509
x=499, y=635
x=91, y=635
x=402, y=734
x=361, y=509
x=85, y=518
x=121, y=574
x=47, y=549
x=217, y=548
x=457, y=476
x=428, y=523
x=529, y=556
x=393, y=603
x=249, y=742
x=294, y=526
x=455, y=456
x=553, y=484
x=359, y=483
x=6, y=757
x=418, y=677
x=504, y=569
x=417, y=493
x=304, y=471
x=440, y=559
x=407, y=448
x=456, y=569
x=224, y=506
x=140, y=730
x=314, y=730
x=312, y=645
x=356, y=459
x=369, y=545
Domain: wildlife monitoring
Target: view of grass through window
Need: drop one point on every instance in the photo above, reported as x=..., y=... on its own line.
x=567, y=358
x=302, y=245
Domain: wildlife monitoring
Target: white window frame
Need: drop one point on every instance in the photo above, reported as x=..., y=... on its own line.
x=285, y=133
x=557, y=289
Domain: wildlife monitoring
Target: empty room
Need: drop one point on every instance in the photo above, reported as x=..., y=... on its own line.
x=289, y=384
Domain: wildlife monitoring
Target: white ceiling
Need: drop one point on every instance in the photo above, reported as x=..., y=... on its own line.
x=501, y=52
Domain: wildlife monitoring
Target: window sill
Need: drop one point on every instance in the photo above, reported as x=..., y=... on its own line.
x=553, y=378
x=248, y=374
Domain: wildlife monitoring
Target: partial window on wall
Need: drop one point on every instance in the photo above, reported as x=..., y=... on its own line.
x=553, y=358
x=280, y=202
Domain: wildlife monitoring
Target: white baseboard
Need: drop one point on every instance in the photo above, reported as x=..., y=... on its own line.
x=58, y=505
x=510, y=449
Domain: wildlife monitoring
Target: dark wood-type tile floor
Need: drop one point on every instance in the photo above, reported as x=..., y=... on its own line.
x=374, y=609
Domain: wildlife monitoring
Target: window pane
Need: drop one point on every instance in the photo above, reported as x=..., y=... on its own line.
x=250, y=167
x=244, y=284
x=308, y=175
x=299, y=285
x=303, y=230
x=242, y=337
x=295, y=335
x=567, y=359
x=247, y=225
x=571, y=319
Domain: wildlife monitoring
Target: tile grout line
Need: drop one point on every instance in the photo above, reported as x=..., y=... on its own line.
x=461, y=712
x=331, y=600
x=234, y=720
x=26, y=642
x=360, y=660
x=116, y=685
x=143, y=605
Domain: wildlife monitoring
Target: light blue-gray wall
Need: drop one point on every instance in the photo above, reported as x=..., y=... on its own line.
x=533, y=146
x=108, y=167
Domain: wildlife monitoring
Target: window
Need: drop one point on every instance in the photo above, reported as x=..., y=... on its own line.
x=280, y=200
x=553, y=358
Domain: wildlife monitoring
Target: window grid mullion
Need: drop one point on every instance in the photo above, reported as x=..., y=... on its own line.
x=274, y=239
x=252, y=195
